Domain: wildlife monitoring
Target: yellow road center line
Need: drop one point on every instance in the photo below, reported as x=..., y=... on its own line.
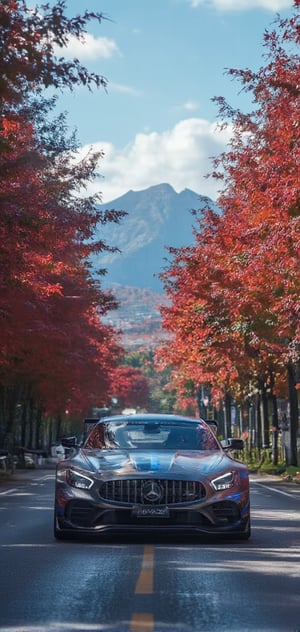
x=142, y=622
x=144, y=585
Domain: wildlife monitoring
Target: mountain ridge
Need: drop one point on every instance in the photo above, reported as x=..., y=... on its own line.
x=158, y=218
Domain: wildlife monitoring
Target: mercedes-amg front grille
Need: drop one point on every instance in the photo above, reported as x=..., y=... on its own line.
x=152, y=491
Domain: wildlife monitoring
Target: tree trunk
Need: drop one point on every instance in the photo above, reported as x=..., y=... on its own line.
x=23, y=424
x=293, y=415
x=258, y=422
x=31, y=413
x=58, y=428
x=265, y=417
x=38, y=428
x=11, y=397
x=275, y=430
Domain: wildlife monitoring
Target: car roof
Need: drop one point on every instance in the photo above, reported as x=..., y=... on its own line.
x=150, y=417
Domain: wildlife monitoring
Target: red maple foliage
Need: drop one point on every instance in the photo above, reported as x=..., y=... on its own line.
x=130, y=387
x=51, y=329
x=235, y=295
x=28, y=41
x=54, y=347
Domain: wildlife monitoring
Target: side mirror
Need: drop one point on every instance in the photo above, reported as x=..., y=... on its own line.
x=232, y=444
x=69, y=442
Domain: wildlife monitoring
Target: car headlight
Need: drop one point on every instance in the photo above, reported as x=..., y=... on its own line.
x=78, y=480
x=224, y=482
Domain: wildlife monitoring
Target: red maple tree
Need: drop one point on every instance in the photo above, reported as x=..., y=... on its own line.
x=129, y=386
x=55, y=349
x=234, y=295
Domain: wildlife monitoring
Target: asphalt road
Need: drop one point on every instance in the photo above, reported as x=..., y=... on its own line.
x=147, y=585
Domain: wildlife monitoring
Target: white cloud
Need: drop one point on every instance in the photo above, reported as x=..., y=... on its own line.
x=243, y=5
x=191, y=106
x=89, y=47
x=122, y=88
x=180, y=156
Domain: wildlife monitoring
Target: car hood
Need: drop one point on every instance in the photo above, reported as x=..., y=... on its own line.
x=129, y=463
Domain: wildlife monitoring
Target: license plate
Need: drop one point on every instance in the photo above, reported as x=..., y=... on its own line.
x=150, y=512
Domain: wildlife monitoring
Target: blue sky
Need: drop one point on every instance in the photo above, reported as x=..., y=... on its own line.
x=164, y=60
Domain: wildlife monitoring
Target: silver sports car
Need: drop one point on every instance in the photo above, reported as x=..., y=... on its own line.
x=152, y=472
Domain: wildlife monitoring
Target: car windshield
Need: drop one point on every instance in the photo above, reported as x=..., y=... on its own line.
x=156, y=435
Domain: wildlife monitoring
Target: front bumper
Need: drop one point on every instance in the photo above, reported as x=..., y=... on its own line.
x=77, y=511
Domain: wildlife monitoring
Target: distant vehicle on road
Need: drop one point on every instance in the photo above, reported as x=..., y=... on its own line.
x=152, y=472
x=7, y=463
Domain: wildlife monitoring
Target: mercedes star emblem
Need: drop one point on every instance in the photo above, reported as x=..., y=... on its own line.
x=152, y=492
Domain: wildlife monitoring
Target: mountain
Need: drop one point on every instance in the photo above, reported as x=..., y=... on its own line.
x=158, y=217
